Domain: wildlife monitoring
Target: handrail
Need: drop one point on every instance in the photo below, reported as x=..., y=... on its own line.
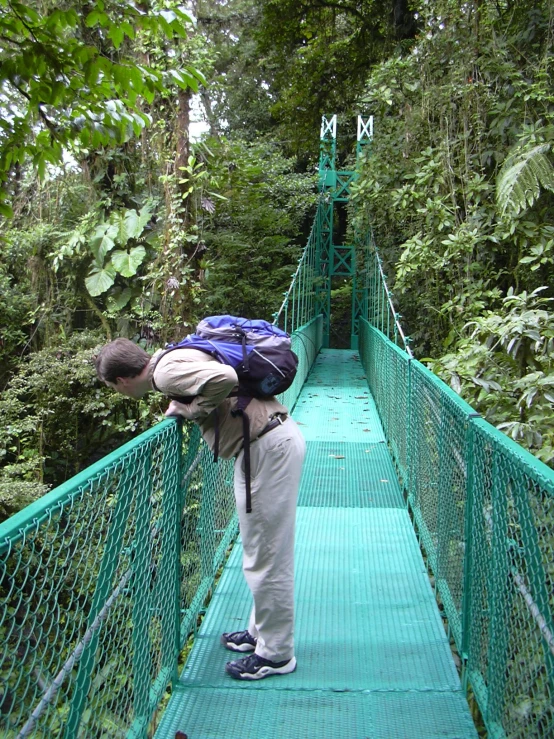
x=483, y=508
x=298, y=306
x=45, y=507
x=381, y=311
x=395, y=316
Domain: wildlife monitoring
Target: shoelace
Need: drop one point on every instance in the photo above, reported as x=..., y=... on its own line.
x=253, y=660
x=241, y=636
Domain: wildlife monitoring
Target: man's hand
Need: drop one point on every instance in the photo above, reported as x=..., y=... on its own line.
x=178, y=409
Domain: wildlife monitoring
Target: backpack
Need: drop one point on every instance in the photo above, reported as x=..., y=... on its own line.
x=259, y=352
x=261, y=355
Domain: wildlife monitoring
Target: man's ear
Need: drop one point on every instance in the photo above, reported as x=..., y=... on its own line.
x=123, y=381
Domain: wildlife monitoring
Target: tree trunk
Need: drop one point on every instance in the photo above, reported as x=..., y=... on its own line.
x=404, y=22
x=214, y=131
x=182, y=138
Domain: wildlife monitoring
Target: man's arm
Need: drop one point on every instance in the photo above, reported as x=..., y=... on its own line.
x=209, y=382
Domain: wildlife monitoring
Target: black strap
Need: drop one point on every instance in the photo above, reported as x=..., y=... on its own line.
x=246, y=447
x=171, y=349
x=216, y=431
x=245, y=354
x=156, y=388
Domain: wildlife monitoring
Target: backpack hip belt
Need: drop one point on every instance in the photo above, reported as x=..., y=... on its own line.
x=277, y=420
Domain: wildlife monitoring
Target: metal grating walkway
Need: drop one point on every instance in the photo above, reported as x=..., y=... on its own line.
x=373, y=658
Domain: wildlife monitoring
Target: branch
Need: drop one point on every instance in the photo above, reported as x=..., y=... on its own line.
x=24, y=22
x=339, y=6
x=11, y=40
x=103, y=320
x=50, y=125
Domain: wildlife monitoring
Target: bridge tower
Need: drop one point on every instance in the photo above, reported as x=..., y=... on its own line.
x=337, y=260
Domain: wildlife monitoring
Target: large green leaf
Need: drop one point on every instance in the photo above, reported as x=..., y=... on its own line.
x=119, y=299
x=145, y=214
x=522, y=176
x=127, y=263
x=100, y=280
x=129, y=224
x=102, y=241
x=132, y=224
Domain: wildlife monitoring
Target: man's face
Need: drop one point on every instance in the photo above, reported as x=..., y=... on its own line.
x=131, y=387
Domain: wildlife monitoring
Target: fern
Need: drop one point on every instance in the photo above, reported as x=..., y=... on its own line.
x=521, y=178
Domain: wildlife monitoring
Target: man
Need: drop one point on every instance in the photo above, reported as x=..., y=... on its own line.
x=277, y=451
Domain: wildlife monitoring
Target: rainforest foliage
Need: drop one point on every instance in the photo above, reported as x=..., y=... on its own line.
x=458, y=189
x=117, y=223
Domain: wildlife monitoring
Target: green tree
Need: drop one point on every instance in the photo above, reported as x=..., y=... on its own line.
x=67, y=81
x=319, y=54
x=254, y=237
x=457, y=183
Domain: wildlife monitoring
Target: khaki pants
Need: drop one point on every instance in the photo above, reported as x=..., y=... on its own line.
x=268, y=535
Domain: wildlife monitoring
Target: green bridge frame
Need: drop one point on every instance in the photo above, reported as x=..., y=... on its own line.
x=105, y=578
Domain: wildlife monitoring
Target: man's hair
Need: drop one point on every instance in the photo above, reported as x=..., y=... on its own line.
x=120, y=358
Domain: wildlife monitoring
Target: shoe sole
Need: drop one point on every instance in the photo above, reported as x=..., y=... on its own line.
x=265, y=671
x=237, y=647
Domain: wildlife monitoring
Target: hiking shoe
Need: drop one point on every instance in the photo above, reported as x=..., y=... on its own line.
x=255, y=667
x=239, y=641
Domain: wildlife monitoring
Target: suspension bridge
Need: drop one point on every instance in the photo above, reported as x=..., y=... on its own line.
x=425, y=552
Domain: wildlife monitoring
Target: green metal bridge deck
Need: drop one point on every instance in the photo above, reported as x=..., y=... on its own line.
x=374, y=661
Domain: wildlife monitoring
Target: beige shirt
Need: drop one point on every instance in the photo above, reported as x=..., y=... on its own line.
x=189, y=372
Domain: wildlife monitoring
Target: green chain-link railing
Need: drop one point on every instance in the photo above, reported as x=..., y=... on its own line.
x=484, y=511
x=104, y=578
x=377, y=301
x=300, y=302
x=89, y=587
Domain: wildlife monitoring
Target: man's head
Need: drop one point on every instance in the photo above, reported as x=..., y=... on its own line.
x=123, y=366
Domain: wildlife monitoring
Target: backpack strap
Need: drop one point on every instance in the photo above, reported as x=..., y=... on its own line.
x=156, y=388
x=216, y=432
x=245, y=353
x=185, y=399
